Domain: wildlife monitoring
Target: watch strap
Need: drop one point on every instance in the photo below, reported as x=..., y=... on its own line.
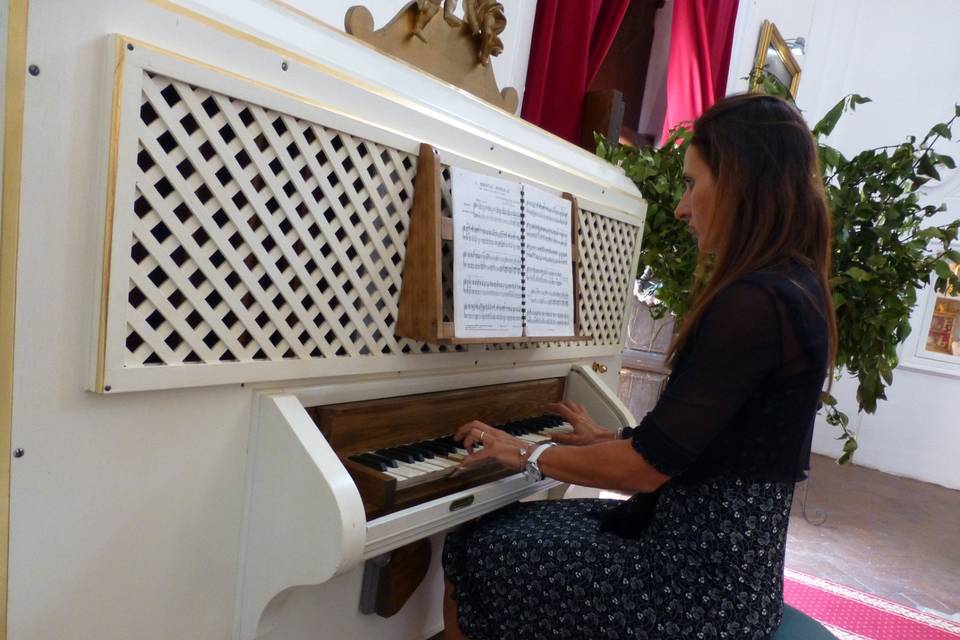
x=533, y=467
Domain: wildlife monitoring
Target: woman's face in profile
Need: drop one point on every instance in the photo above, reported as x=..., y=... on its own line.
x=697, y=204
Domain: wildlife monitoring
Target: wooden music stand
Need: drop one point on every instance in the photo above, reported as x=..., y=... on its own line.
x=420, y=312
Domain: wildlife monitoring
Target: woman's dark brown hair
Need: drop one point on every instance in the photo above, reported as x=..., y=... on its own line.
x=770, y=205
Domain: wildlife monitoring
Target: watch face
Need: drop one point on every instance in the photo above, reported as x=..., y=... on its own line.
x=532, y=471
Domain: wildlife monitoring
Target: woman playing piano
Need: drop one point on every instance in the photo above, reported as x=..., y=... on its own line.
x=698, y=551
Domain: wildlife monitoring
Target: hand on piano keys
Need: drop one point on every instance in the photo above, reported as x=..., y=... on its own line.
x=422, y=461
x=583, y=430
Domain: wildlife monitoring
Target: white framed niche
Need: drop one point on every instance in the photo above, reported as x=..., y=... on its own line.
x=934, y=344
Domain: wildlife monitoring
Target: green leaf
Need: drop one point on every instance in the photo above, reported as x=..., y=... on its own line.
x=942, y=269
x=946, y=161
x=925, y=167
x=886, y=373
x=602, y=149
x=858, y=274
x=941, y=129
x=829, y=121
x=829, y=157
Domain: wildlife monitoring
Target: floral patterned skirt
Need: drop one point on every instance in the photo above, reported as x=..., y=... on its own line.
x=709, y=565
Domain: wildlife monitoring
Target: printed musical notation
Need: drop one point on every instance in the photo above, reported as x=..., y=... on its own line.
x=487, y=249
x=548, y=268
x=512, y=259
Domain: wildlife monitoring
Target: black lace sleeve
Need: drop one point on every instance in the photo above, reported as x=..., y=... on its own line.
x=736, y=347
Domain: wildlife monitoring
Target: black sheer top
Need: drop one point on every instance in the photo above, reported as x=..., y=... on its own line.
x=745, y=389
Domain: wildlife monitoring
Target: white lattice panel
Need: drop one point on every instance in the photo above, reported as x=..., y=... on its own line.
x=258, y=237
x=606, y=275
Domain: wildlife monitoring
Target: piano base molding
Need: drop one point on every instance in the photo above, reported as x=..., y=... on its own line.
x=390, y=579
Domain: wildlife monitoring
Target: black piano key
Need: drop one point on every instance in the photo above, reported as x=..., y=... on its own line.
x=422, y=448
x=523, y=427
x=448, y=440
x=536, y=426
x=368, y=461
x=385, y=460
x=512, y=428
x=436, y=449
x=446, y=445
x=412, y=451
x=394, y=454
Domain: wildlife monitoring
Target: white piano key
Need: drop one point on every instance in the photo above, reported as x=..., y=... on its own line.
x=423, y=467
x=534, y=437
x=442, y=462
x=402, y=471
x=433, y=463
x=566, y=427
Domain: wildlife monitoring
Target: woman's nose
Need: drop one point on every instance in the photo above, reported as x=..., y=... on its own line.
x=682, y=212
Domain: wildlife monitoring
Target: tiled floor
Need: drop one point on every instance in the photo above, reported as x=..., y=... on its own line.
x=893, y=537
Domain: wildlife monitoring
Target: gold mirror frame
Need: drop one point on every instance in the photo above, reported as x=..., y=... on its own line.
x=771, y=40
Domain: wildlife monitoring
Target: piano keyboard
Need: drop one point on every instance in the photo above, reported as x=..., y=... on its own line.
x=428, y=460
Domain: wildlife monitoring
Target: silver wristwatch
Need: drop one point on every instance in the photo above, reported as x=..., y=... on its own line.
x=532, y=470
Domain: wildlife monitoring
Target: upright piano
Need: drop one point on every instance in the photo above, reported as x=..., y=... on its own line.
x=261, y=183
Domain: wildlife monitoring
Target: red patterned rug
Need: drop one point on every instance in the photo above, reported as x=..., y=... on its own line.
x=853, y=615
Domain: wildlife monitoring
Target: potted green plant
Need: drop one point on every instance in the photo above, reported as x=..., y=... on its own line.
x=885, y=246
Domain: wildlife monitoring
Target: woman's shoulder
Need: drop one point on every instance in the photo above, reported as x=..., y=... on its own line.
x=794, y=291
x=790, y=282
x=765, y=296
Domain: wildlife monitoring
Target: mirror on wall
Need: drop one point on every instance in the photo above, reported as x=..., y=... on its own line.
x=774, y=63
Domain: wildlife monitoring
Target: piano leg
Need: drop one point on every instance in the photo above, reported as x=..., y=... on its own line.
x=391, y=578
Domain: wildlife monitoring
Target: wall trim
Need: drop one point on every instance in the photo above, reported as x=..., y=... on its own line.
x=15, y=81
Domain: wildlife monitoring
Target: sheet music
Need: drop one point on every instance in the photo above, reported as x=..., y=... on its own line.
x=547, y=261
x=488, y=290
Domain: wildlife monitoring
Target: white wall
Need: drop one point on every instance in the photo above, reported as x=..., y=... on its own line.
x=510, y=67
x=906, y=57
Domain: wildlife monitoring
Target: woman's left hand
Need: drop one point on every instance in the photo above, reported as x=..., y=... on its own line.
x=497, y=445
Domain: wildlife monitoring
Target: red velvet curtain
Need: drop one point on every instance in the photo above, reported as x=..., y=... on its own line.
x=701, y=37
x=570, y=40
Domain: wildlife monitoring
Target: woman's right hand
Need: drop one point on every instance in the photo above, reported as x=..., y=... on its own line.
x=585, y=429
